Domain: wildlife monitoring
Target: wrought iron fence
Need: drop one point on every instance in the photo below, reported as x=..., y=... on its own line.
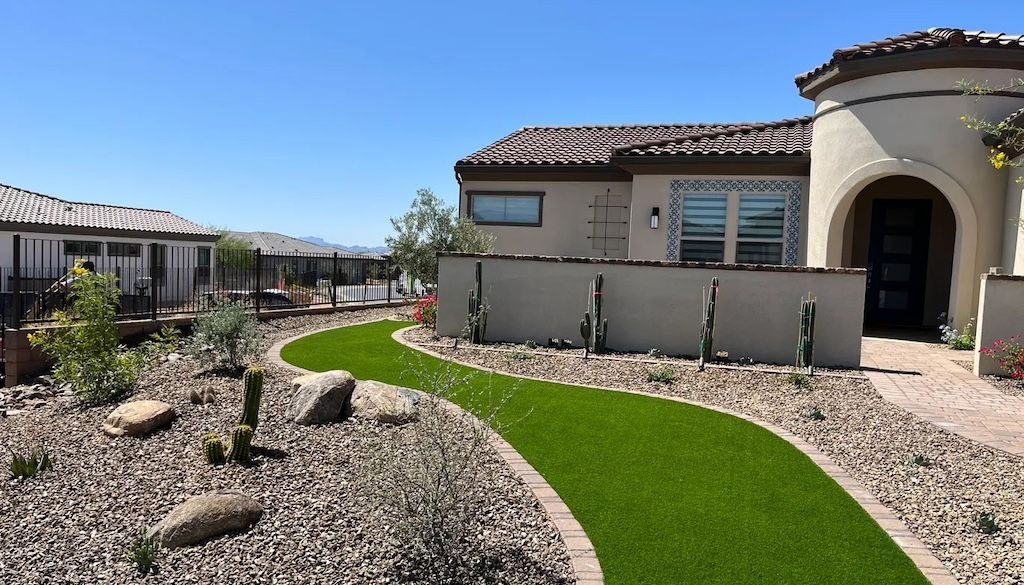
x=162, y=279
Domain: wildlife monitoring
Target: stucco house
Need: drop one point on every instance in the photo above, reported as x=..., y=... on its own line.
x=52, y=233
x=882, y=175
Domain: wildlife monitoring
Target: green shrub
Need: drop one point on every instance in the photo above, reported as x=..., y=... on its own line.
x=26, y=466
x=918, y=460
x=986, y=523
x=799, y=380
x=520, y=355
x=142, y=552
x=814, y=414
x=85, y=347
x=224, y=336
x=655, y=353
x=162, y=342
x=530, y=344
x=664, y=375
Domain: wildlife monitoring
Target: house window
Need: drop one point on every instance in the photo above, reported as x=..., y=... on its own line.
x=82, y=248
x=609, y=224
x=759, y=232
x=503, y=208
x=159, y=269
x=703, y=237
x=203, y=264
x=124, y=249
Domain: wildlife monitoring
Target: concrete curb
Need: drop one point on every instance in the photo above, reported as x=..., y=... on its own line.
x=585, y=565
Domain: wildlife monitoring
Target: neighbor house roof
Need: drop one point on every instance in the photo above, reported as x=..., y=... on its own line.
x=915, y=43
x=272, y=242
x=595, y=145
x=26, y=210
x=785, y=137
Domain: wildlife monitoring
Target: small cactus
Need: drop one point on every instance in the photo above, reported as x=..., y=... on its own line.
x=253, y=379
x=707, y=327
x=241, y=442
x=805, y=344
x=213, y=449
x=476, y=317
x=592, y=326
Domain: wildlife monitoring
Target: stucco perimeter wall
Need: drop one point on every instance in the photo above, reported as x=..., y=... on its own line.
x=658, y=304
x=908, y=123
x=565, y=217
x=1013, y=242
x=1000, y=316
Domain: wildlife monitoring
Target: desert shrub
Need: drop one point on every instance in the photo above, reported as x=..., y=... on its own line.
x=162, y=342
x=799, y=380
x=918, y=460
x=142, y=552
x=530, y=344
x=425, y=312
x=1009, y=354
x=428, y=478
x=85, y=347
x=25, y=466
x=814, y=414
x=961, y=340
x=664, y=375
x=520, y=356
x=655, y=353
x=224, y=336
x=986, y=523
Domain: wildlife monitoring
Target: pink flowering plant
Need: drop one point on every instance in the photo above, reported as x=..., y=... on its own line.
x=1009, y=354
x=425, y=312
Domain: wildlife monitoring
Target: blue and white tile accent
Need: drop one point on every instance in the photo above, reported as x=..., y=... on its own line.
x=680, y=187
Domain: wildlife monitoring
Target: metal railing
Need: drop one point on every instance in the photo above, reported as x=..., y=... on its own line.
x=159, y=279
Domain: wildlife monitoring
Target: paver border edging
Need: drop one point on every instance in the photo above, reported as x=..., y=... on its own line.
x=919, y=554
x=585, y=565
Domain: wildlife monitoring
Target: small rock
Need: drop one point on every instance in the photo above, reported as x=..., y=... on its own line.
x=173, y=356
x=202, y=517
x=384, y=402
x=320, y=398
x=138, y=418
x=207, y=395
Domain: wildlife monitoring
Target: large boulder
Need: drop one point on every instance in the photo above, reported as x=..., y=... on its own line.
x=202, y=517
x=384, y=402
x=320, y=398
x=138, y=418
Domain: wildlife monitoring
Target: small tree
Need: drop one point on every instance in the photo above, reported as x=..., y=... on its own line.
x=233, y=252
x=430, y=227
x=86, y=347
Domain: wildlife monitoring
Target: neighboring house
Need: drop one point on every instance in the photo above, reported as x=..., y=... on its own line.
x=54, y=233
x=287, y=260
x=883, y=175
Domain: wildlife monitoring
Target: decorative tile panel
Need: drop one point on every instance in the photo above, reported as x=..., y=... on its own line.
x=789, y=188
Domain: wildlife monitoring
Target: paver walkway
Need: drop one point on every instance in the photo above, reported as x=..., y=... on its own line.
x=924, y=379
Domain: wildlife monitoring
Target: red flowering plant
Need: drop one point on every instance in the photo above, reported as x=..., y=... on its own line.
x=425, y=312
x=1009, y=354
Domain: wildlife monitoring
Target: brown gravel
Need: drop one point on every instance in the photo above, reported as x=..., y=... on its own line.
x=863, y=433
x=72, y=524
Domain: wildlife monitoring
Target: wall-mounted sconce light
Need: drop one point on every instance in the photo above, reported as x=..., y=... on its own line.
x=655, y=211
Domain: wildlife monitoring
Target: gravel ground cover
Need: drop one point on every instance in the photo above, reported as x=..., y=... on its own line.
x=1005, y=385
x=72, y=524
x=867, y=436
x=668, y=493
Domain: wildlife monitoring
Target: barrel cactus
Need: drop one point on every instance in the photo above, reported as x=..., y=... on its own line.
x=253, y=380
x=241, y=443
x=213, y=449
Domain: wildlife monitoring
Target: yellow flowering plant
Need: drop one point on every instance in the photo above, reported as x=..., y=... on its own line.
x=1009, y=138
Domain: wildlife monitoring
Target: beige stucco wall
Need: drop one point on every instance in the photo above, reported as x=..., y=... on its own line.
x=653, y=191
x=564, y=228
x=1013, y=240
x=1000, y=316
x=916, y=136
x=660, y=306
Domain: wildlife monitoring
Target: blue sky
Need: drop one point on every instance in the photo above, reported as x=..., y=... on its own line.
x=323, y=118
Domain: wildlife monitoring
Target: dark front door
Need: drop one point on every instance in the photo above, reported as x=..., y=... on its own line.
x=897, y=261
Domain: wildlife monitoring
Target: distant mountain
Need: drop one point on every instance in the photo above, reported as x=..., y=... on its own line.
x=353, y=249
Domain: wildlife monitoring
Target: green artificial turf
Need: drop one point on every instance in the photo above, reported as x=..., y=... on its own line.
x=668, y=493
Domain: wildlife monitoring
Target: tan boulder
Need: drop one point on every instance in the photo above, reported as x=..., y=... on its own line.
x=202, y=517
x=138, y=418
x=384, y=402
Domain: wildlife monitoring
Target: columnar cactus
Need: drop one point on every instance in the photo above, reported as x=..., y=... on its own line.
x=805, y=344
x=707, y=327
x=213, y=449
x=253, y=380
x=476, y=318
x=592, y=326
x=241, y=442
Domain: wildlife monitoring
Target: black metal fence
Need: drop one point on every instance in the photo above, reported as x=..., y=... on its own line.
x=160, y=279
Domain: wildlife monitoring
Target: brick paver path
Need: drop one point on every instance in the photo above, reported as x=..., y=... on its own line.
x=923, y=379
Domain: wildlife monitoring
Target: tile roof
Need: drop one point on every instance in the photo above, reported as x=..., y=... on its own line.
x=27, y=207
x=594, y=145
x=272, y=242
x=786, y=137
x=933, y=38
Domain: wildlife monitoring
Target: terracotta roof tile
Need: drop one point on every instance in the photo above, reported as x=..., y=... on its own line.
x=786, y=137
x=590, y=145
x=21, y=206
x=933, y=38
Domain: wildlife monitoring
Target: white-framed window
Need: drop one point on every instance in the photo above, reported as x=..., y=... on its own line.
x=760, y=228
x=82, y=248
x=740, y=227
x=704, y=227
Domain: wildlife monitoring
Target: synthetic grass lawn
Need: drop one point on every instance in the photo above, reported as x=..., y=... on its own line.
x=669, y=493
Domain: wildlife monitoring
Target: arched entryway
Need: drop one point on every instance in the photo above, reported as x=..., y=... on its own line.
x=902, y=229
